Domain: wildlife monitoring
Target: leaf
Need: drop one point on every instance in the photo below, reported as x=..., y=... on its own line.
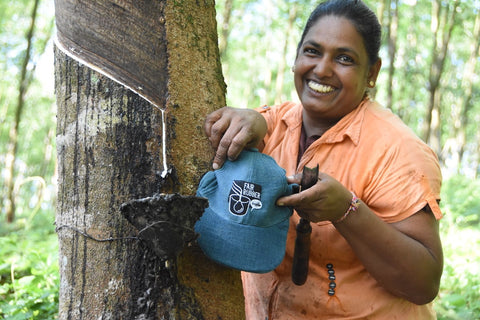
x=26, y=281
x=455, y=299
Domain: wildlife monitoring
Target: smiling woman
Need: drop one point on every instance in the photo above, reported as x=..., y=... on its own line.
x=332, y=72
x=375, y=249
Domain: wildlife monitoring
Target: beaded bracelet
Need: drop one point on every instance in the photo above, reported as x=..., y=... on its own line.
x=354, y=204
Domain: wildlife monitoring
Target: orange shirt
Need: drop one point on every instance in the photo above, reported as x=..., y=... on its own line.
x=375, y=155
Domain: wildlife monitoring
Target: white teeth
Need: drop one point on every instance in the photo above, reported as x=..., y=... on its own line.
x=319, y=87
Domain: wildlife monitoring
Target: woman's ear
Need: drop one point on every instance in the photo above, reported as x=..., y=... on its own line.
x=373, y=73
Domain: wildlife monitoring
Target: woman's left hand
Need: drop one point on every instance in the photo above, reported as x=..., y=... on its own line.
x=328, y=199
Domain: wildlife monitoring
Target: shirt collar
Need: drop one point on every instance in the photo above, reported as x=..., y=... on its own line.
x=349, y=126
x=293, y=117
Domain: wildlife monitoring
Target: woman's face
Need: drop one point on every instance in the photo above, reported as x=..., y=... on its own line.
x=332, y=69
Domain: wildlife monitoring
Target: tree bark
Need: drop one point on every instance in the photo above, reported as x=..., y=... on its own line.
x=408, y=72
x=392, y=50
x=225, y=27
x=381, y=10
x=442, y=28
x=131, y=104
x=292, y=16
x=467, y=88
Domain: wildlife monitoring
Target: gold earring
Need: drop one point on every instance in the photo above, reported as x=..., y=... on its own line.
x=371, y=83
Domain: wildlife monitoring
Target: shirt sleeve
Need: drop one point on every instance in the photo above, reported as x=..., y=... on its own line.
x=406, y=179
x=270, y=115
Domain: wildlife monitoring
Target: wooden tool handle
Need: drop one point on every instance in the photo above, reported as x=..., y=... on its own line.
x=304, y=230
x=302, y=252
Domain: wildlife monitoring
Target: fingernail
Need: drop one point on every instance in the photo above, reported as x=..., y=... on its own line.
x=215, y=166
x=280, y=204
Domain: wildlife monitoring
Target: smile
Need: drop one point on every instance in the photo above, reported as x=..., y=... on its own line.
x=315, y=86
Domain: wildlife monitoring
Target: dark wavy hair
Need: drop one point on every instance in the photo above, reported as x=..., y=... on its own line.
x=361, y=16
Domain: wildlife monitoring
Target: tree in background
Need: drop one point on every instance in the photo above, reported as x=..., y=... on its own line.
x=456, y=144
x=262, y=38
x=392, y=33
x=443, y=20
x=35, y=43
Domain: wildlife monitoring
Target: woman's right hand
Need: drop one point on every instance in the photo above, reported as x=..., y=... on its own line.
x=230, y=130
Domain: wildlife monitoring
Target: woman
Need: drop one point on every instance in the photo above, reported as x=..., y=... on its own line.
x=375, y=247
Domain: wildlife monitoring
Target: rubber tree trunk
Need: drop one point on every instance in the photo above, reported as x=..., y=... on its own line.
x=134, y=81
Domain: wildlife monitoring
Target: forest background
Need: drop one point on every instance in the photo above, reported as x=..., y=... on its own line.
x=429, y=78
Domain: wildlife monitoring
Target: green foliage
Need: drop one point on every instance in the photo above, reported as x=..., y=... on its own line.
x=461, y=198
x=256, y=49
x=35, y=155
x=459, y=296
x=29, y=276
x=28, y=247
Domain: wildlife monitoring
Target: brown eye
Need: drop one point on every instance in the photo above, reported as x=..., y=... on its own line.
x=344, y=59
x=311, y=51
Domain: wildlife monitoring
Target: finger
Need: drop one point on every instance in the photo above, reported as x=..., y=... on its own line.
x=233, y=142
x=304, y=198
x=243, y=139
x=215, y=125
x=220, y=155
x=293, y=200
x=297, y=178
x=220, y=133
x=210, y=121
x=304, y=215
x=227, y=148
x=323, y=176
